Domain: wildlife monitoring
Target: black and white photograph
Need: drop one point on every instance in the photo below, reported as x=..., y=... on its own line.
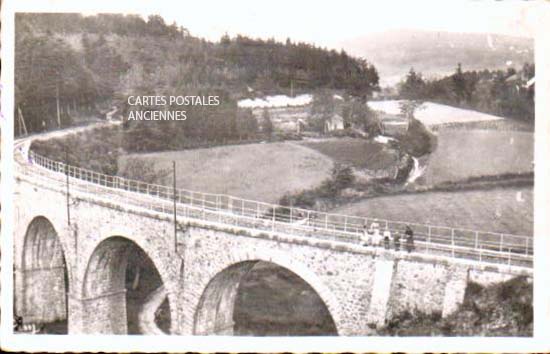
x=302, y=169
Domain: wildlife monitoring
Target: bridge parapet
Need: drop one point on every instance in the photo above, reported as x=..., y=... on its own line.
x=452, y=242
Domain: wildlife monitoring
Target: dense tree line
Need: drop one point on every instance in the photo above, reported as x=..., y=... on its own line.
x=501, y=92
x=70, y=66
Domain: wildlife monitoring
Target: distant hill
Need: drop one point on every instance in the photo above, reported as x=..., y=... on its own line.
x=437, y=53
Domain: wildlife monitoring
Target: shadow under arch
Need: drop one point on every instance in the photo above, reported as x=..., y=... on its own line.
x=123, y=292
x=256, y=297
x=44, y=278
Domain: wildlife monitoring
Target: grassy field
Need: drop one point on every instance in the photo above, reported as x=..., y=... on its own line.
x=506, y=210
x=359, y=153
x=433, y=114
x=461, y=154
x=263, y=172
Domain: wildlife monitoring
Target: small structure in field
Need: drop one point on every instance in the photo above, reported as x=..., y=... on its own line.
x=335, y=122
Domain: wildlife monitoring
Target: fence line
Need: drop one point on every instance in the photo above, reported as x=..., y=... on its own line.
x=224, y=208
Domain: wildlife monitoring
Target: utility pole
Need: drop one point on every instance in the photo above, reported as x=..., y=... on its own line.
x=67, y=182
x=57, y=105
x=175, y=214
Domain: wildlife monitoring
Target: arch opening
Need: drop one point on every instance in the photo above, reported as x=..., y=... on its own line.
x=123, y=291
x=44, y=279
x=257, y=298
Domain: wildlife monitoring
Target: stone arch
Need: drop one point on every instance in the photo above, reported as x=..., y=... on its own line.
x=105, y=286
x=45, y=276
x=215, y=309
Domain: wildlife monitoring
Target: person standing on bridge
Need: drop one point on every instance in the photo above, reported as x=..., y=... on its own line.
x=365, y=236
x=397, y=241
x=374, y=231
x=387, y=237
x=409, y=239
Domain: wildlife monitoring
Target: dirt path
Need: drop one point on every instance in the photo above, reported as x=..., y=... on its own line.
x=146, y=316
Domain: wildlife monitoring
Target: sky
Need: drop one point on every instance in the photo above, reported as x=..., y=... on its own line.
x=325, y=23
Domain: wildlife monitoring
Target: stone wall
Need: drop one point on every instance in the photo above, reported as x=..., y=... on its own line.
x=361, y=287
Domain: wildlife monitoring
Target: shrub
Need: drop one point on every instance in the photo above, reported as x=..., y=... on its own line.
x=417, y=141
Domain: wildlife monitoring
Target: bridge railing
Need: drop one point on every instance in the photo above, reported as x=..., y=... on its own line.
x=232, y=210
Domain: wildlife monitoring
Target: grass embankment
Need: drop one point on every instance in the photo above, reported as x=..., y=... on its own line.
x=263, y=172
x=359, y=153
x=506, y=210
x=464, y=154
x=503, y=309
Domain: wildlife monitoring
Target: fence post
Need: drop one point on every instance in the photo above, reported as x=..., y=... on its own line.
x=501, y=241
x=453, y=237
x=453, y=242
x=477, y=239
x=291, y=214
x=273, y=219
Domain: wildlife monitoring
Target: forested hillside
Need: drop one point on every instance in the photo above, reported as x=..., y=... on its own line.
x=69, y=66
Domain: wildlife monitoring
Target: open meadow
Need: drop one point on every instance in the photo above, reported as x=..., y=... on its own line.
x=359, y=153
x=502, y=210
x=263, y=172
x=433, y=114
x=462, y=154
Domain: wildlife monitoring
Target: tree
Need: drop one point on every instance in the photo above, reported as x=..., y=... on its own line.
x=459, y=84
x=141, y=170
x=409, y=107
x=358, y=114
x=413, y=87
x=322, y=109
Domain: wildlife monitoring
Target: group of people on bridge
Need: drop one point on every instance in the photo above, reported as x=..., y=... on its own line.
x=372, y=236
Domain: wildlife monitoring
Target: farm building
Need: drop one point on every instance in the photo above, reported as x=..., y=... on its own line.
x=336, y=122
x=286, y=119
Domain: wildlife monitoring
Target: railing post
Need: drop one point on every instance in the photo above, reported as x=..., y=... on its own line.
x=273, y=219
x=453, y=242
x=477, y=239
x=453, y=237
x=501, y=241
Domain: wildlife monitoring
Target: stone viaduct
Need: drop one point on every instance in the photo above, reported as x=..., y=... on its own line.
x=72, y=266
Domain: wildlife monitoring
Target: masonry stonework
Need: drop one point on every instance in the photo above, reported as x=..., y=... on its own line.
x=361, y=287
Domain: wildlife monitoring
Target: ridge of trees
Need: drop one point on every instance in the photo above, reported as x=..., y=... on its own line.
x=69, y=66
x=500, y=92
